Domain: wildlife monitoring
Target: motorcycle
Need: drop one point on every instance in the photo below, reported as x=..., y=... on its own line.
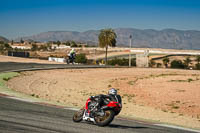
x=71, y=59
x=101, y=116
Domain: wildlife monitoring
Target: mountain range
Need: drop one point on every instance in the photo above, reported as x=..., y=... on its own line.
x=3, y=39
x=166, y=38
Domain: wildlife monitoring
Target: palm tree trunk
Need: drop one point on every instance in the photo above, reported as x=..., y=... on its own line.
x=106, y=54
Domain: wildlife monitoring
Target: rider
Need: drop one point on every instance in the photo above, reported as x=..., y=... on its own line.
x=112, y=96
x=72, y=55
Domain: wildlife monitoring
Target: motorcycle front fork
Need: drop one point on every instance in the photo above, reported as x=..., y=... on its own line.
x=86, y=117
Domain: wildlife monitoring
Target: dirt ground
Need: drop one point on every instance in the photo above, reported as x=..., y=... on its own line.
x=160, y=95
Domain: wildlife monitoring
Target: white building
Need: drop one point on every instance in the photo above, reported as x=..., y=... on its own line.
x=59, y=47
x=21, y=47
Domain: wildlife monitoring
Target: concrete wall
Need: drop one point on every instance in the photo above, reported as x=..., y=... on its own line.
x=142, y=60
x=62, y=60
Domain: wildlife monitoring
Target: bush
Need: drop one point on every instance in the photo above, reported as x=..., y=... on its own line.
x=5, y=47
x=81, y=58
x=34, y=47
x=177, y=64
x=197, y=66
x=121, y=62
x=158, y=65
x=152, y=63
x=73, y=44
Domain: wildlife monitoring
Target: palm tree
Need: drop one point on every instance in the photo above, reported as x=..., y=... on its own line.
x=166, y=62
x=107, y=37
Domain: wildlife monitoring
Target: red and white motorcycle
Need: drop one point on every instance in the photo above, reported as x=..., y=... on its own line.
x=100, y=116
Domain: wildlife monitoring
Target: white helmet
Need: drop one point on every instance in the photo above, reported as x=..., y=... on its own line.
x=112, y=91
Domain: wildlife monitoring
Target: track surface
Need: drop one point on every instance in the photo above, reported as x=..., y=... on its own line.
x=14, y=66
x=24, y=117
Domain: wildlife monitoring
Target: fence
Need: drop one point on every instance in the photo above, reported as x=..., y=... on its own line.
x=19, y=54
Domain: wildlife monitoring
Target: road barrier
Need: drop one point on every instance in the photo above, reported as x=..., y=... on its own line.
x=62, y=60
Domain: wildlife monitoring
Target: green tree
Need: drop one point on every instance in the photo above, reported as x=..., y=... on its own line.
x=73, y=44
x=12, y=42
x=22, y=41
x=67, y=43
x=34, y=47
x=197, y=59
x=166, y=62
x=187, y=62
x=49, y=46
x=2, y=48
x=177, y=64
x=158, y=65
x=107, y=37
x=198, y=62
x=58, y=43
x=121, y=62
x=81, y=58
x=43, y=47
x=5, y=47
x=152, y=63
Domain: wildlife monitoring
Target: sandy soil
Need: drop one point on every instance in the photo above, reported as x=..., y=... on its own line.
x=164, y=95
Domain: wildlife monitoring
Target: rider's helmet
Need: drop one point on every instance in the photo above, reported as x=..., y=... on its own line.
x=112, y=91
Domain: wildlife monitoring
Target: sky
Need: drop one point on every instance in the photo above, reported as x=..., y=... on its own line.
x=28, y=17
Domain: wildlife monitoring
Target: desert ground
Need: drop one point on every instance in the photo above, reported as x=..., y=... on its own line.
x=160, y=95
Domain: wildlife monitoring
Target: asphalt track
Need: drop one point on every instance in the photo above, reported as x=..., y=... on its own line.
x=17, y=116
x=15, y=66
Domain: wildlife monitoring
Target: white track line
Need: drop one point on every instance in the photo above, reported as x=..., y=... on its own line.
x=21, y=99
x=72, y=109
x=177, y=127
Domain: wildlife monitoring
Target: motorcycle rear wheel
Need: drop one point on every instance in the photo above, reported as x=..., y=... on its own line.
x=78, y=116
x=106, y=119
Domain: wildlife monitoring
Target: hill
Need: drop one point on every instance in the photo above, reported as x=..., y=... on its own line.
x=3, y=39
x=167, y=38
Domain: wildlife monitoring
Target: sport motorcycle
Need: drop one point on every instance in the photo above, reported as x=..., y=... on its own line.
x=102, y=115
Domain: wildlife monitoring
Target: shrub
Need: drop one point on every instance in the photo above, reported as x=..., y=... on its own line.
x=73, y=44
x=34, y=47
x=152, y=63
x=177, y=64
x=166, y=61
x=81, y=58
x=187, y=62
x=158, y=65
x=197, y=66
x=121, y=62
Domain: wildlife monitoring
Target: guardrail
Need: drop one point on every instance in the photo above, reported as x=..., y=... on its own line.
x=165, y=52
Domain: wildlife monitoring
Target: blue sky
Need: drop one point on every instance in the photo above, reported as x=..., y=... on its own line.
x=27, y=17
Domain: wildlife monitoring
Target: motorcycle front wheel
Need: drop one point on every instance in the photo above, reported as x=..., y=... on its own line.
x=106, y=119
x=78, y=116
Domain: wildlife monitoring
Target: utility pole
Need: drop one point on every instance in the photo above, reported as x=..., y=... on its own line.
x=130, y=37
